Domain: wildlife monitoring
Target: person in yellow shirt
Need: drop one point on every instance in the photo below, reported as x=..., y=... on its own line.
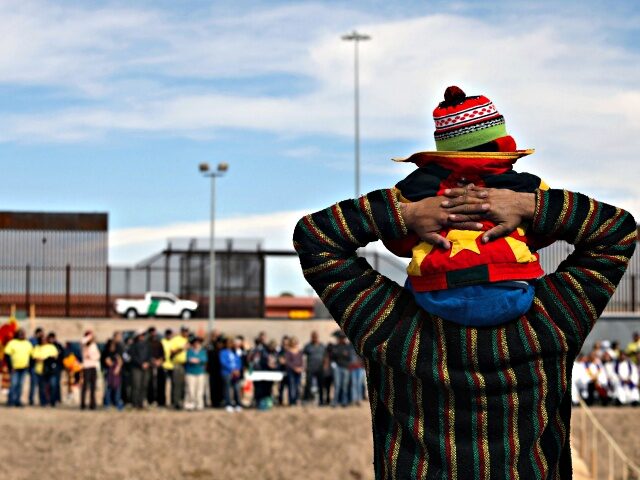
x=18, y=350
x=46, y=356
x=166, y=369
x=178, y=345
x=634, y=346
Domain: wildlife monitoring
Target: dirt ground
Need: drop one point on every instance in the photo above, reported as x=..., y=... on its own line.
x=284, y=443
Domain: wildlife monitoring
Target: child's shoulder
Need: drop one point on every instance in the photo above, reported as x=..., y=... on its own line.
x=516, y=181
x=423, y=182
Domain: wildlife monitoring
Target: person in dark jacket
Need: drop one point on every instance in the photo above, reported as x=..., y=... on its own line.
x=340, y=356
x=267, y=362
x=156, y=393
x=216, y=384
x=450, y=401
x=127, y=371
x=56, y=368
x=140, y=353
x=34, y=381
x=113, y=375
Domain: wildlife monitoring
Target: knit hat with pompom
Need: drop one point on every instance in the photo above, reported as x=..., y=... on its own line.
x=465, y=122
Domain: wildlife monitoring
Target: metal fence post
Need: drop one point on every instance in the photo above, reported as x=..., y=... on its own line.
x=583, y=434
x=67, y=291
x=594, y=453
x=167, y=260
x=107, y=295
x=127, y=282
x=27, y=290
x=611, y=472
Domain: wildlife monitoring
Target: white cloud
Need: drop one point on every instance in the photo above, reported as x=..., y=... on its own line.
x=563, y=87
x=275, y=230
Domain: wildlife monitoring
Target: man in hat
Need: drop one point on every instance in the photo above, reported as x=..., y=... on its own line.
x=450, y=401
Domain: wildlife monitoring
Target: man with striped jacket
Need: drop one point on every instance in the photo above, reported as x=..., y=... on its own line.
x=457, y=402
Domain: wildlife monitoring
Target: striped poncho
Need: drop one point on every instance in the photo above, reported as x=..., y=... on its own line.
x=453, y=402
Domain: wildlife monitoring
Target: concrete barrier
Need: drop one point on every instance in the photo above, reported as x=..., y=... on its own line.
x=72, y=329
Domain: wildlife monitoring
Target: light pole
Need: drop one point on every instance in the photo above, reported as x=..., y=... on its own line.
x=220, y=171
x=356, y=38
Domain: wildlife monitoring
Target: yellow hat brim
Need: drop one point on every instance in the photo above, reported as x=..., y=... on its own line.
x=470, y=155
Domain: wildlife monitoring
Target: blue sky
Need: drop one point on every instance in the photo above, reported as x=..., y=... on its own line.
x=110, y=106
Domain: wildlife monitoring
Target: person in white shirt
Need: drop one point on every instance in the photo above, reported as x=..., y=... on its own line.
x=626, y=381
x=90, y=366
x=579, y=380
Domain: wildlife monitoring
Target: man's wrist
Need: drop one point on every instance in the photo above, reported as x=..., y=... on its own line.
x=406, y=212
x=527, y=205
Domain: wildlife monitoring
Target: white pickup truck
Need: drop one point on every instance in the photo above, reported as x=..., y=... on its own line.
x=156, y=304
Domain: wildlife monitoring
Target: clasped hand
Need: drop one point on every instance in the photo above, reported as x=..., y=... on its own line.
x=464, y=208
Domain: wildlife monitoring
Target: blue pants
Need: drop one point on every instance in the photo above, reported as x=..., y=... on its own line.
x=294, y=386
x=48, y=389
x=357, y=384
x=231, y=383
x=15, y=390
x=341, y=386
x=113, y=396
x=33, y=385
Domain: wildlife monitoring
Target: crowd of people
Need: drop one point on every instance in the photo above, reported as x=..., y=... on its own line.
x=182, y=370
x=608, y=374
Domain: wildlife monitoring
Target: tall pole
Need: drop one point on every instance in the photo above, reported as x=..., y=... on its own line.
x=212, y=257
x=357, y=116
x=207, y=172
x=356, y=38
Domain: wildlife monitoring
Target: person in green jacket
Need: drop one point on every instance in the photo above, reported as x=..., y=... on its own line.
x=456, y=402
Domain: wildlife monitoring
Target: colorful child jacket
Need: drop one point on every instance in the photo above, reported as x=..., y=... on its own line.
x=469, y=262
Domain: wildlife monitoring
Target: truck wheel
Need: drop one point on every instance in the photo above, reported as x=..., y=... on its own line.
x=131, y=313
x=186, y=314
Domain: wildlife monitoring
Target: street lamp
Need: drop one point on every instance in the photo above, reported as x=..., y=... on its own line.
x=207, y=172
x=356, y=38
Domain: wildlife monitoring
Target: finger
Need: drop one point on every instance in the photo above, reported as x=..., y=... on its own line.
x=456, y=219
x=498, y=231
x=469, y=208
x=461, y=201
x=465, y=217
x=437, y=240
x=468, y=226
x=474, y=192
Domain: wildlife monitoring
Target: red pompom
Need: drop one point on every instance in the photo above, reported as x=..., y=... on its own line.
x=453, y=95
